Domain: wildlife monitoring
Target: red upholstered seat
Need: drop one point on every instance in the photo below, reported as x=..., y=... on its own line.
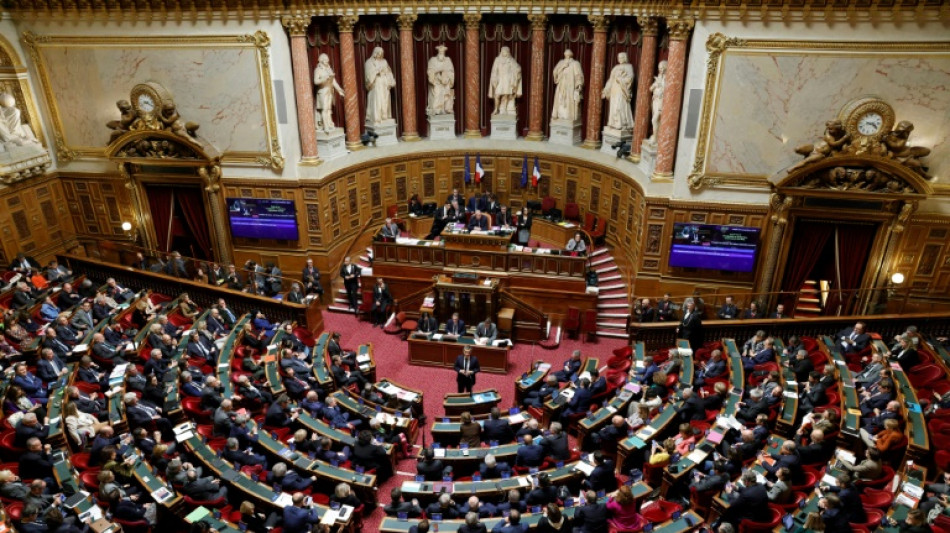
x=874, y=517
x=748, y=526
x=660, y=511
x=572, y=321
x=877, y=499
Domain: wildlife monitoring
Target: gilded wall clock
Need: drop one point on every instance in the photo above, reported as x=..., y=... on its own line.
x=867, y=118
x=149, y=98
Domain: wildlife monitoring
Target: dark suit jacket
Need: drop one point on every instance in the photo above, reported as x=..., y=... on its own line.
x=908, y=358
x=727, y=312
x=475, y=223
x=603, y=478
x=530, y=456
x=430, y=471
x=591, y=518
x=752, y=503
x=691, y=327
x=455, y=327
x=557, y=447
x=472, y=366
x=860, y=342
x=499, y=430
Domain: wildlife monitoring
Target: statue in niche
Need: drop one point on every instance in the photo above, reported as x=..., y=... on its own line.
x=505, y=83
x=127, y=116
x=618, y=92
x=379, y=84
x=657, y=89
x=13, y=131
x=832, y=143
x=441, y=75
x=569, y=79
x=327, y=89
x=898, y=149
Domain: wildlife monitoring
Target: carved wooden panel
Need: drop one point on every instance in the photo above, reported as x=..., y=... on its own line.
x=401, y=189
x=654, y=233
x=571, y=193
x=594, y=198
x=928, y=259
x=428, y=184
x=615, y=207
x=313, y=217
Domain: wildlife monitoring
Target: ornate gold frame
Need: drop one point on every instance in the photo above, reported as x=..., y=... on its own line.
x=17, y=75
x=717, y=45
x=258, y=41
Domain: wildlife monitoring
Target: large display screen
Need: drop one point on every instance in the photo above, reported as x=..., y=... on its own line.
x=714, y=247
x=257, y=218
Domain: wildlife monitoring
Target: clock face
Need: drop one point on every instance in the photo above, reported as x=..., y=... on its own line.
x=870, y=123
x=146, y=103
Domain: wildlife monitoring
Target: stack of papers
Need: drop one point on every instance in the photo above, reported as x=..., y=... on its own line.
x=584, y=467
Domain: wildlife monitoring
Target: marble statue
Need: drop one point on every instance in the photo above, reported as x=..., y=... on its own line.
x=505, y=83
x=379, y=83
x=441, y=75
x=618, y=92
x=657, y=89
x=569, y=79
x=13, y=131
x=325, y=80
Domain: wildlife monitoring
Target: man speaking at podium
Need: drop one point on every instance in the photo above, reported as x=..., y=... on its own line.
x=466, y=367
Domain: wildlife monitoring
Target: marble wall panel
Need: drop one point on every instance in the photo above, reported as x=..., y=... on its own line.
x=773, y=101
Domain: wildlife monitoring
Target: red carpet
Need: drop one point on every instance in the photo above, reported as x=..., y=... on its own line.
x=392, y=363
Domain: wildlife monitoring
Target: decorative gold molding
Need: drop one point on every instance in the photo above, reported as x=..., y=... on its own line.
x=538, y=22
x=259, y=41
x=296, y=24
x=648, y=25
x=346, y=23
x=600, y=22
x=679, y=28
x=406, y=21
x=473, y=21
x=717, y=45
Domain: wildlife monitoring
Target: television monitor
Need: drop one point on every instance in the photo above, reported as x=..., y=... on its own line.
x=260, y=218
x=714, y=247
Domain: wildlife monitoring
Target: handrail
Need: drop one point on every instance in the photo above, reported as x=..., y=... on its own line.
x=349, y=249
x=521, y=304
x=405, y=300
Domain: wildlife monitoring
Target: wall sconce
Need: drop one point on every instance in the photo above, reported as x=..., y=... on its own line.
x=894, y=283
x=897, y=278
x=133, y=235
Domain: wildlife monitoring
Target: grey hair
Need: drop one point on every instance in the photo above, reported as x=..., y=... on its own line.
x=279, y=470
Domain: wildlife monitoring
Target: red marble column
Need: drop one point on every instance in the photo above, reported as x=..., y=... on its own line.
x=472, y=102
x=351, y=101
x=410, y=130
x=641, y=114
x=539, y=24
x=303, y=85
x=598, y=63
x=672, y=97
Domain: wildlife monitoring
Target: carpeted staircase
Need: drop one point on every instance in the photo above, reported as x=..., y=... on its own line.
x=613, y=306
x=340, y=304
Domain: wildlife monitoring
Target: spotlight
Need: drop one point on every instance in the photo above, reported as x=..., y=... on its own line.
x=897, y=278
x=126, y=226
x=622, y=148
x=368, y=137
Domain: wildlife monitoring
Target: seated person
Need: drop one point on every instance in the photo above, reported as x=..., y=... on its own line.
x=427, y=324
x=478, y=221
x=576, y=245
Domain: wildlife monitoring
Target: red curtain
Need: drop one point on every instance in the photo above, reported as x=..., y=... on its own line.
x=160, y=201
x=193, y=211
x=807, y=244
x=854, y=244
x=429, y=32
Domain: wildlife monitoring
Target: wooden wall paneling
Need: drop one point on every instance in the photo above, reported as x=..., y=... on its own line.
x=33, y=219
x=924, y=258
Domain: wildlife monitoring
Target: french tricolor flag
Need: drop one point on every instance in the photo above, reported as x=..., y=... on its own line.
x=536, y=173
x=479, y=171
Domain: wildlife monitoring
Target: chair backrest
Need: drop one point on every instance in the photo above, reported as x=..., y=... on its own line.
x=589, y=222
x=548, y=203
x=392, y=210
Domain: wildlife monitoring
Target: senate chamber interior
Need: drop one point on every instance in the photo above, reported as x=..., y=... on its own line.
x=668, y=265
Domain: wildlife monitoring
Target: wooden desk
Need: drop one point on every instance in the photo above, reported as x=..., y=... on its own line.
x=456, y=404
x=553, y=234
x=531, y=381
x=471, y=241
x=441, y=353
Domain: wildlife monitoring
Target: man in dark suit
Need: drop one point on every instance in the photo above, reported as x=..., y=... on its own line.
x=788, y=457
x=581, y=400
x=491, y=468
x=430, y=468
x=68, y=297
x=311, y=279
x=536, y=398
x=297, y=518
x=497, y=428
x=802, y=366
x=556, y=445
x=750, y=502
x=23, y=263
x=390, y=229
x=691, y=327
x=728, y=310
x=50, y=368
x=570, y=368
x=602, y=478
x=344, y=377
x=779, y=312
x=905, y=354
x=478, y=221
x=664, y=309
x=692, y=407
x=399, y=505
x=141, y=415
x=645, y=312
x=765, y=355
x=714, y=367
x=351, y=281
x=853, y=339
x=466, y=369
x=371, y=456
x=476, y=203
x=455, y=326
x=427, y=324
x=818, y=450
x=523, y=222
x=511, y=524
x=28, y=428
x=288, y=479
x=444, y=216
x=751, y=408
x=455, y=197
x=714, y=481
x=503, y=217
x=36, y=463
x=813, y=395
x=22, y=298
x=530, y=454
x=382, y=300
x=591, y=518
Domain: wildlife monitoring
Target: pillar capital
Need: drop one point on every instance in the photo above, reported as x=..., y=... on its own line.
x=600, y=22
x=648, y=25
x=296, y=24
x=347, y=22
x=679, y=28
x=406, y=21
x=538, y=22
x=472, y=20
